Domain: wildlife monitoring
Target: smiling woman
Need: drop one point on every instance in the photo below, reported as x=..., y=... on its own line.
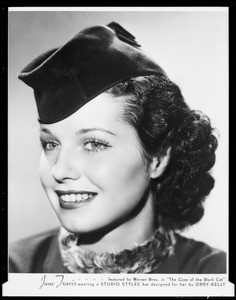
x=125, y=162
x=85, y=166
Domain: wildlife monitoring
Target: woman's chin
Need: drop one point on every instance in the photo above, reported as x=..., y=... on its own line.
x=77, y=227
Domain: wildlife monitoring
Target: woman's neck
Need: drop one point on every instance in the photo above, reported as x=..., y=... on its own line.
x=136, y=229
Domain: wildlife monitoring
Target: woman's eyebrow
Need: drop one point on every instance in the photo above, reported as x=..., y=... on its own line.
x=45, y=130
x=85, y=130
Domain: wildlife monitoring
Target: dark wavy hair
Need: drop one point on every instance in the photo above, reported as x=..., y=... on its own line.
x=155, y=107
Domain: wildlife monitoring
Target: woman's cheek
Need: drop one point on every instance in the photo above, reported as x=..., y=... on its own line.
x=45, y=171
x=117, y=172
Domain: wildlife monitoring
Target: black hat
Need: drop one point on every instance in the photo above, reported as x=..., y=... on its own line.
x=94, y=60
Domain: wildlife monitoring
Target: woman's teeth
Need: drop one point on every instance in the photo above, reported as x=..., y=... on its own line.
x=76, y=197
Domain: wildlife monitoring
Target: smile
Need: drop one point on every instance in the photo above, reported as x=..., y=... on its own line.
x=73, y=199
x=76, y=197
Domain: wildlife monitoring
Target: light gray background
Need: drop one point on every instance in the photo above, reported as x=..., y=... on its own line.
x=192, y=47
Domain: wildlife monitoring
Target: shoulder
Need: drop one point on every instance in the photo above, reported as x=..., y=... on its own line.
x=25, y=253
x=204, y=258
x=191, y=256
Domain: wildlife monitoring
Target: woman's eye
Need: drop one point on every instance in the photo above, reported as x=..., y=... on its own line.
x=49, y=146
x=95, y=145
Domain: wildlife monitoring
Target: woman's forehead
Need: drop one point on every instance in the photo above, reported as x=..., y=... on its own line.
x=104, y=111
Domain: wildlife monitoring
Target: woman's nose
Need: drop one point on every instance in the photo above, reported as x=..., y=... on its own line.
x=65, y=167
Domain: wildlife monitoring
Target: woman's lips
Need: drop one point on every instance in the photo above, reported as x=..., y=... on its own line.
x=74, y=199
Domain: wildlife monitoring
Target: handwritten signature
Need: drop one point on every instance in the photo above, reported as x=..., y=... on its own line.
x=59, y=281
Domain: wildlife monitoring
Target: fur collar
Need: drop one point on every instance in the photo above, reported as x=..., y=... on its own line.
x=143, y=258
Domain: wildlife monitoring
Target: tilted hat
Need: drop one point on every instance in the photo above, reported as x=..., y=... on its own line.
x=94, y=60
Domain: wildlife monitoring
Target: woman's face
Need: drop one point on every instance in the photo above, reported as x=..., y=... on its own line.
x=92, y=167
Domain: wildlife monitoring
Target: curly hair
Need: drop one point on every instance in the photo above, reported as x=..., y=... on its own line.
x=155, y=107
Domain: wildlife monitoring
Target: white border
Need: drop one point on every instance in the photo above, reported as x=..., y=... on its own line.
x=118, y=285
x=196, y=9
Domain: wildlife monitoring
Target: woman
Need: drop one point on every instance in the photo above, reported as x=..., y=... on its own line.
x=125, y=162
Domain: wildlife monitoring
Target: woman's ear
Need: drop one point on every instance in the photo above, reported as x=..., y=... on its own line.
x=159, y=164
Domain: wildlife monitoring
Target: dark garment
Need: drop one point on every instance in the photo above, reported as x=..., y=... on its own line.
x=41, y=254
x=66, y=78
